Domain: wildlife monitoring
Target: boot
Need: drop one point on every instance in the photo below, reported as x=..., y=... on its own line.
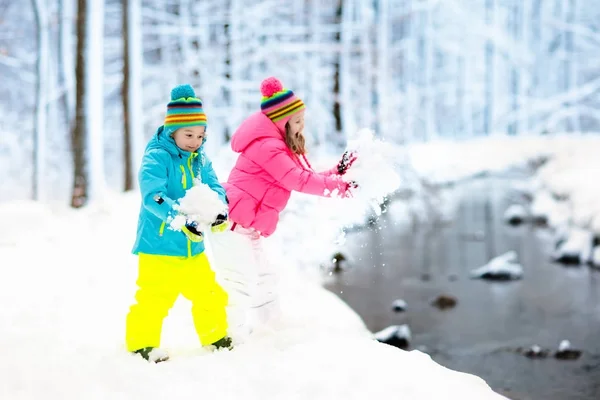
x=223, y=343
x=153, y=354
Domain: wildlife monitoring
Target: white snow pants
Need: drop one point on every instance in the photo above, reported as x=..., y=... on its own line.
x=245, y=271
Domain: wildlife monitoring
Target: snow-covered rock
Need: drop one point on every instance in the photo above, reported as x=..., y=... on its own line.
x=567, y=176
x=338, y=262
x=516, y=214
x=576, y=248
x=399, y=305
x=535, y=351
x=546, y=209
x=564, y=345
x=566, y=352
x=596, y=257
x=503, y=267
x=395, y=335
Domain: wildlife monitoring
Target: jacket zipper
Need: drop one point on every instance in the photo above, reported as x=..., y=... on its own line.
x=161, y=230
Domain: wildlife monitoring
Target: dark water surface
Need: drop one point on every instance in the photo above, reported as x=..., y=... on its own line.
x=418, y=262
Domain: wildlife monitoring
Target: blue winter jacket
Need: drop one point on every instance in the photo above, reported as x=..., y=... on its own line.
x=165, y=174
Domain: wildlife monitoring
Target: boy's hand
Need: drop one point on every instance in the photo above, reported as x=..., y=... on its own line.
x=191, y=231
x=220, y=224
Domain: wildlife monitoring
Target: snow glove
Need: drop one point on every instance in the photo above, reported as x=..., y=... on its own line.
x=346, y=162
x=191, y=231
x=347, y=193
x=220, y=224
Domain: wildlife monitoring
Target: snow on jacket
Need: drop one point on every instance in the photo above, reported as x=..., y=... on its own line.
x=165, y=174
x=266, y=172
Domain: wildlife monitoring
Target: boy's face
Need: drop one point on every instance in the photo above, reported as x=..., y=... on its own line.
x=296, y=123
x=189, y=138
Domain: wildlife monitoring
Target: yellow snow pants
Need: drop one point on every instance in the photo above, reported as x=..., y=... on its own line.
x=161, y=279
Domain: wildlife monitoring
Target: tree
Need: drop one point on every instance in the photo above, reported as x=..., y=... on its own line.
x=41, y=90
x=490, y=70
x=88, y=146
x=336, y=75
x=80, y=180
x=65, y=59
x=131, y=93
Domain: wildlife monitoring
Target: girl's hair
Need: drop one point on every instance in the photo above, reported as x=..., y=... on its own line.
x=295, y=143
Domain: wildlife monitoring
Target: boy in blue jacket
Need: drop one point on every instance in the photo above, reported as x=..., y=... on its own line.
x=173, y=262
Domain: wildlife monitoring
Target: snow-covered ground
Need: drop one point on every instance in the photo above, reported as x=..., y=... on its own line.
x=67, y=279
x=570, y=177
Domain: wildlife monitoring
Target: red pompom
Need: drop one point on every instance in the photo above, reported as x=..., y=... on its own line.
x=270, y=86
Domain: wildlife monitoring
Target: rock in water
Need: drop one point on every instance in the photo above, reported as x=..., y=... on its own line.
x=395, y=335
x=596, y=257
x=515, y=214
x=399, y=305
x=503, y=267
x=576, y=248
x=338, y=260
x=444, y=302
x=565, y=352
x=534, y=352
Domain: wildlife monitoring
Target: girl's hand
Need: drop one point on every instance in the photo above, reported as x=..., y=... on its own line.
x=348, y=191
x=346, y=162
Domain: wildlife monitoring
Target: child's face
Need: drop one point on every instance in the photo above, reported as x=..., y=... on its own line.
x=189, y=138
x=296, y=123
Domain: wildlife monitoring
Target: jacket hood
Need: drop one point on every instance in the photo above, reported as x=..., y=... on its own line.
x=255, y=127
x=162, y=139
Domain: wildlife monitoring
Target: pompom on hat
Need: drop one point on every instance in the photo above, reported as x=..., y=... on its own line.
x=184, y=109
x=278, y=103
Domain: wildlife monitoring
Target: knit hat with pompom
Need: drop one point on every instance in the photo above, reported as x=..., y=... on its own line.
x=278, y=103
x=184, y=109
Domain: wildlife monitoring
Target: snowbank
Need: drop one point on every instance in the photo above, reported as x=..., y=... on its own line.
x=564, y=192
x=445, y=161
x=65, y=297
x=569, y=176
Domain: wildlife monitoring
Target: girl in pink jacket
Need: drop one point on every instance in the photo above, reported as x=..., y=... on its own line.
x=271, y=164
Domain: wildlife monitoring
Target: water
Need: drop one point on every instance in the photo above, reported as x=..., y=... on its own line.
x=418, y=262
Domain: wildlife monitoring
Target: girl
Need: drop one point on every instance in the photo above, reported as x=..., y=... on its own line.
x=173, y=262
x=271, y=164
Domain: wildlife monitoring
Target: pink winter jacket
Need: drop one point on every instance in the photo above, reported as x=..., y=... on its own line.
x=260, y=184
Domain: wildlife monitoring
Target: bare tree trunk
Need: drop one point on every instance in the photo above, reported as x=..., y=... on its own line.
x=128, y=178
x=383, y=23
x=132, y=89
x=571, y=56
x=348, y=35
x=515, y=71
x=337, y=114
x=39, y=145
x=490, y=66
x=65, y=54
x=79, y=143
x=428, y=73
x=526, y=21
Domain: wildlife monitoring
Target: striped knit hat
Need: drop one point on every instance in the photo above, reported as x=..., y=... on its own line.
x=184, y=109
x=279, y=104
